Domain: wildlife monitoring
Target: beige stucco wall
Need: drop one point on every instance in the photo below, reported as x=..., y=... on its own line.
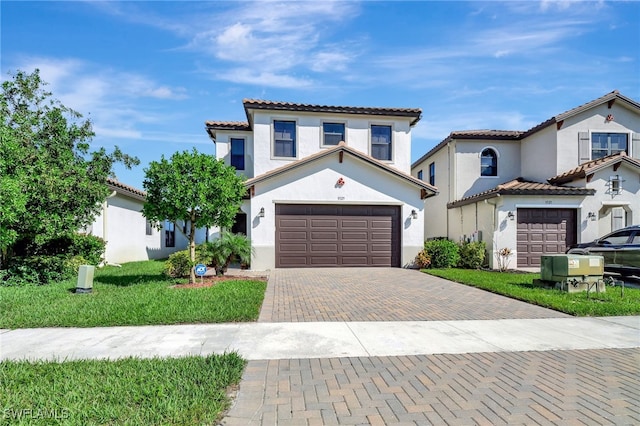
x=316, y=183
x=467, y=160
x=538, y=155
x=436, y=220
x=123, y=227
x=309, y=131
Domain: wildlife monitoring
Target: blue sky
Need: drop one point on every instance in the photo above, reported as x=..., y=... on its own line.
x=149, y=74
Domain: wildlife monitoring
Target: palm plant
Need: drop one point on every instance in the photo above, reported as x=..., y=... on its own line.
x=226, y=249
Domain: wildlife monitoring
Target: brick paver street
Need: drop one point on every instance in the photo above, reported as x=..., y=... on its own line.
x=594, y=387
x=571, y=387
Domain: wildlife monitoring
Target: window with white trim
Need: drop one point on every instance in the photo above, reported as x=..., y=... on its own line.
x=381, y=143
x=284, y=138
x=604, y=144
x=488, y=162
x=237, y=153
x=332, y=133
x=432, y=173
x=169, y=234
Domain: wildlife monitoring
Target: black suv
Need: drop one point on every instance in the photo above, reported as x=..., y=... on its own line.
x=620, y=249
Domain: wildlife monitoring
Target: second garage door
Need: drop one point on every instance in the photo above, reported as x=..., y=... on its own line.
x=544, y=231
x=337, y=236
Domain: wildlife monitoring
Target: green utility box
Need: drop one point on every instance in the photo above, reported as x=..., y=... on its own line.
x=573, y=272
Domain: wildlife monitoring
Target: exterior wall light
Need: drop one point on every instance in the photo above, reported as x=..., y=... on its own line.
x=414, y=214
x=261, y=213
x=510, y=215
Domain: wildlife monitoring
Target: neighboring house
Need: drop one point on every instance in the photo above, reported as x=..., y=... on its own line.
x=572, y=178
x=129, y=236
x=327, y=185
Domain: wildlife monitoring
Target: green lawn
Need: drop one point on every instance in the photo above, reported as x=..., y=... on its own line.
x=172, y=391
x=520, y=286
x=135, y=294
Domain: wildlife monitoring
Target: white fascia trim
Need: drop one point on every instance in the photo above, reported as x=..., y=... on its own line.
x=549, y=206
x=334, y=202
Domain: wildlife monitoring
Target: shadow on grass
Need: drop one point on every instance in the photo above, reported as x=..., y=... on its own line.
x=129, y=280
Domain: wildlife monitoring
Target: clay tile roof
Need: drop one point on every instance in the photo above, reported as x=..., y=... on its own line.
x=414, y=113
x=612, y=96
x=430, y=190
x=592, y=166
x=516, y=135
x=521, y=186
x=227, y=125
x=126, y=189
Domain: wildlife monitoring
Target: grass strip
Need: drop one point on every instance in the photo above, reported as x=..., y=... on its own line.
x=135, y=294
x=520, y=286
x=171, y=391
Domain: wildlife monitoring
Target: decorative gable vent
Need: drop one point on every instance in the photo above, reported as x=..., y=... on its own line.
x=614, y=185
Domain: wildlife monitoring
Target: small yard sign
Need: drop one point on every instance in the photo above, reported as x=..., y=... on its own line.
x=200, y=269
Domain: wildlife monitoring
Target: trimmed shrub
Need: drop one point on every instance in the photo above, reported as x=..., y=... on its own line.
x=443, y=253
x=88, y=247
x=37, y=270
x=178, y=264
x=422, y=260
x=472, y=255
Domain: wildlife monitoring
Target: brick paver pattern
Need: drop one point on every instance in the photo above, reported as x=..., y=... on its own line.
x=578, y=387
x=382, y=294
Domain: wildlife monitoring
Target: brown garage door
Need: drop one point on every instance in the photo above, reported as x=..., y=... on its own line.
x=544, y=231
x=337, y=236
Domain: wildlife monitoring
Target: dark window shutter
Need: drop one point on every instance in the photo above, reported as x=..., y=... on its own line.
x=584, y=147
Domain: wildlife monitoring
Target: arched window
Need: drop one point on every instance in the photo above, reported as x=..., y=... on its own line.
x=488, y=162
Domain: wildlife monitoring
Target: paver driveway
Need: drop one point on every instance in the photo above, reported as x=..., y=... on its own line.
x=382, y=294
x=571, y=387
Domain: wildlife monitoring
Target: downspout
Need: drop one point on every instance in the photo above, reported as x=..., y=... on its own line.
x=493, y=227
x=448, y=181
x=104, y=222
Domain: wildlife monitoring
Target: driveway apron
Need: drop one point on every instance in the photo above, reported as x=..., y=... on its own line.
x=594, y=386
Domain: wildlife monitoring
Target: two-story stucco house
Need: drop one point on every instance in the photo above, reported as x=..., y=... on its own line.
x=328, y=186
x=572, y=178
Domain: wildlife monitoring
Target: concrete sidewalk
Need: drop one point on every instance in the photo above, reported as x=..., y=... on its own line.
x=267, y=341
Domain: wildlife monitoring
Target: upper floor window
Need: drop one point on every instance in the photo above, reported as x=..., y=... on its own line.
x=237, y=153
x=284, y=138
x=381, y=142
x=432, y=174
x=332, y=133
x=603, y=144
x=488, y=162
x=420, y=174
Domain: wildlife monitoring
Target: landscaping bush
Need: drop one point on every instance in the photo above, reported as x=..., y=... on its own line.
x=443, y=253
x=226, y=249
x=423, y=260
x=53, y=260
x=178, y=264
x=38, y=270
x=472, y=255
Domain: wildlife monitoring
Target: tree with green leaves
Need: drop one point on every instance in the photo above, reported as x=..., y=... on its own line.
x=194, y=188
x=51, y=184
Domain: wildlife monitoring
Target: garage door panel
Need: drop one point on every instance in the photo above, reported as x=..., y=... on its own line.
x=544, y=231
x=337, y=235
x=324, y=223
x=288, y=235
x=293, y=223
x=293, y=248
x=357, y=224
x=294, y=261
x=354, y=236
x=354, y=248
x=319, y=247
x=323, y=235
